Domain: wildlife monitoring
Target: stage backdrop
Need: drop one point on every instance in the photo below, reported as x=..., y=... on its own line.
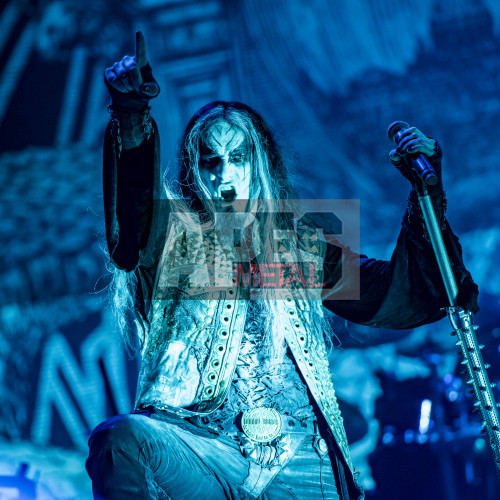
x=329, y=77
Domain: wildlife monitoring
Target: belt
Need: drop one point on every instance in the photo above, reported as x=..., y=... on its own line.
x=265, y=424
x=291, y=424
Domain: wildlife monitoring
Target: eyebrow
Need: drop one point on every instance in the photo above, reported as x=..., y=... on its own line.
x=240, y=149
x=243, y=148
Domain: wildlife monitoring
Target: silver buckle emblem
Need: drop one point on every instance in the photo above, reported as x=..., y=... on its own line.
x=261, y=424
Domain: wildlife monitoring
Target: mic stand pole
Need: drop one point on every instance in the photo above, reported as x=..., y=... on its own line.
x=464, y=329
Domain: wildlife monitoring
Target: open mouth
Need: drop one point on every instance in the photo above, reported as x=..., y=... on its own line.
x=227, y=194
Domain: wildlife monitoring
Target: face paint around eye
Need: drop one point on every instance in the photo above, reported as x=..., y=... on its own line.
x=239, y=157
x=224, y=163
x=209, y=162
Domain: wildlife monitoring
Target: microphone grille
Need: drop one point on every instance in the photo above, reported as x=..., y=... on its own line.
x=394, y=128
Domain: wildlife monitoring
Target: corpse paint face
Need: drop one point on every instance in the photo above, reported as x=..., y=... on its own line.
x=224, y=163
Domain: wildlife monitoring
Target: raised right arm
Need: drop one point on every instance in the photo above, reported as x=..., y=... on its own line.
x=131, y=176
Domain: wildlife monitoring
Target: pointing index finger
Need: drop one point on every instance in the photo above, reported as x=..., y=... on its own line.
x=140, y=50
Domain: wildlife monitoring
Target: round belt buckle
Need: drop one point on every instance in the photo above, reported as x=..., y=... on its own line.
x=261, y=424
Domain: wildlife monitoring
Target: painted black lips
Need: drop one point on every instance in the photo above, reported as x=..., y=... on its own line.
x=228, y=193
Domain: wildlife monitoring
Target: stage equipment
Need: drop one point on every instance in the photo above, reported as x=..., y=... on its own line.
x=461, y=319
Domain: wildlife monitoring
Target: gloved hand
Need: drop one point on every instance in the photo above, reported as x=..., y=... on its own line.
x=131, y=85
x=412, y=143
x=130, y=81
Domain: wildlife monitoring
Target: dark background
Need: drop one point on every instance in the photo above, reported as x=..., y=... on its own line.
x=329, y=77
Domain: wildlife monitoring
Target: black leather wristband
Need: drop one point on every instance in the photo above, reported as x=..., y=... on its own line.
x=133, y=101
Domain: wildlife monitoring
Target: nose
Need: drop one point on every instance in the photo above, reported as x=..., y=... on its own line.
x=226, y=170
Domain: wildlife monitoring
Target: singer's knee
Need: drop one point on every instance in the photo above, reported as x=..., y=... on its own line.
x=123, y=432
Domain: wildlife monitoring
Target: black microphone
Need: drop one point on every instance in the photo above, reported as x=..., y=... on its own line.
x=419, y=163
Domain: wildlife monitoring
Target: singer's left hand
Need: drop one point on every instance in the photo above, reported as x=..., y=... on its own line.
x=413, y=141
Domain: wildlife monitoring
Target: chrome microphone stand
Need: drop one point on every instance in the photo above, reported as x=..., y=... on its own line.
x=464, y=329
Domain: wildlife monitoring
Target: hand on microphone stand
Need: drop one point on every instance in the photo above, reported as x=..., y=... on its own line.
x=418, y=158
